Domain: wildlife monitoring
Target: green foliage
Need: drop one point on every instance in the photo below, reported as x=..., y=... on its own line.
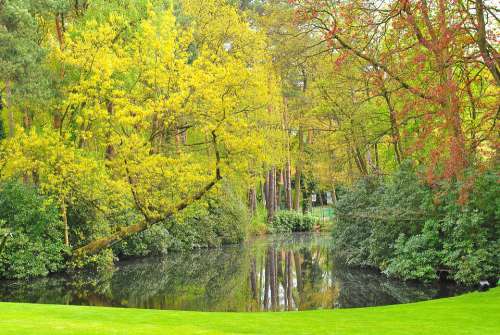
x=396, y=226
x=258, y=224
x=101, y=263
x=292, y=221
x=223, y=219
x=35, y=246
x=418, y=256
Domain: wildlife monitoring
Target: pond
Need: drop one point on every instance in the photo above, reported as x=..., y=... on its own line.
x=294, y=272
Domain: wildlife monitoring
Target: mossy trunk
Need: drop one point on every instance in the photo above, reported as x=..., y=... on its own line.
x=98, y=245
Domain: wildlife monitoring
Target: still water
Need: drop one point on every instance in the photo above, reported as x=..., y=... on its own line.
x=295, y=272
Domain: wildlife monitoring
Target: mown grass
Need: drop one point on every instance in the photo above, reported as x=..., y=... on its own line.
x=475, y=313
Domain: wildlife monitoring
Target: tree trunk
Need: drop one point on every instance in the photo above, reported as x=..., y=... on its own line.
x=8, y=94
x=263, y=193
x=359, y=160
x=288, y=186
x=252, y=200
x=27, y=120
x=279, y=187
x=100, y=244
x=110, y=149
x=298, y=172
x=334, y=193
x=395, y=136
x=266, y=190
x=64, y=215
x=490, y=61
x=271, y=194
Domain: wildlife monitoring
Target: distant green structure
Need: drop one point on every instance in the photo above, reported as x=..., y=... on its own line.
x=324, y=213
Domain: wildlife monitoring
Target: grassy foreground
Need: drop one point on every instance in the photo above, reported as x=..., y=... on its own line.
x=475, y=313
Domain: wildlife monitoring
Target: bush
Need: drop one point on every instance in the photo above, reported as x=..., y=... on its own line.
x=36, y=243
x=398, y=226
x=222, y=219
x=417, y=257
x=292, y=221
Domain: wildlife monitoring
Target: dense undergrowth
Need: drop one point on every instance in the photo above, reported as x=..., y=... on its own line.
x=32, y=231
x=413, y=231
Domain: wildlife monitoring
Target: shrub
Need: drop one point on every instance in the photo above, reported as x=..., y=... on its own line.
x=292, y=221
x=36, y=245
x=222, y=219
x=398, y=226
x=418, y=256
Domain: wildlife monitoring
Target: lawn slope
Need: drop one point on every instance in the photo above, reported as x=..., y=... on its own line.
x=475, y=313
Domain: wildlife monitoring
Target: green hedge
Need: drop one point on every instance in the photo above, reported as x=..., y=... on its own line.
x=292, y=221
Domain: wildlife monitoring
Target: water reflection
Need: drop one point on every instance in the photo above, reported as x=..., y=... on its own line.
x=295, y=272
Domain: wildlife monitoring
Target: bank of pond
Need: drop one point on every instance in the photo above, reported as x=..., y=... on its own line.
x=294, y=271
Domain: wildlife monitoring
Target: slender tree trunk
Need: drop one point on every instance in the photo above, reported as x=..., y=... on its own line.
x=266, y=189
x=155, y=133
x=263, y=193
x=298, y=172
x=110, y=149
x=252, y=200
x=359, y=160
x=64, y=215
x=334, y=193
x=271, y=194
x=279, y=188
x=395, y=136
x=8, y=94
x=27, y=120
x=491, y=62
x=57, y=118
x=287, y=170
x=288, y=186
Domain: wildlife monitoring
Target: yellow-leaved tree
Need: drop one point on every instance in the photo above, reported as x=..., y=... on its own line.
x=154, y=112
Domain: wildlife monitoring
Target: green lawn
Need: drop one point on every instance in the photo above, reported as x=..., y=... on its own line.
x=475, y=313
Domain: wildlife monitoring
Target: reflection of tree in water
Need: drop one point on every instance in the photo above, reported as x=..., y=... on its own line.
x=272, y=273
x=207, y=280
x=80, y=289
x=362, y=287
x=45, y=290
x=291, y=274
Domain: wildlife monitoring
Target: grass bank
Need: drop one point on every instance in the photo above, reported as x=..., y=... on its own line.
x=475, y=313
